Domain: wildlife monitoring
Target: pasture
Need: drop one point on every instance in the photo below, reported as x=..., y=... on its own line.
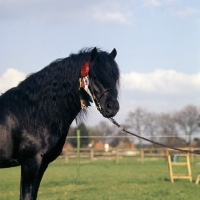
x=105, y=180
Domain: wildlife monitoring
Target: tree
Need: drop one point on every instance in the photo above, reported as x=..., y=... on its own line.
x=136, y=122
x=151, y=124
x=167, y=128
x=120, y=135
x=94, y=134
x=104, y=130
x=187, y=121
x=70, y=134
x=84, y=136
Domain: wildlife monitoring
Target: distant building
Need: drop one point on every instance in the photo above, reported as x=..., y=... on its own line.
x=126, y=145
x=98, y=145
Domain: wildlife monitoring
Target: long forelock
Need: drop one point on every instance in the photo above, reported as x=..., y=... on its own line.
x=107, y=70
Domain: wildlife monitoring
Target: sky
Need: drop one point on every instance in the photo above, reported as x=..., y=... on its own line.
x=157, y=42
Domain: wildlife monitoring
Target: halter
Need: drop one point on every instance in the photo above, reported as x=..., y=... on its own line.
x=106, y=90
x=91, y=98
x=97, y=103
x=84, y=82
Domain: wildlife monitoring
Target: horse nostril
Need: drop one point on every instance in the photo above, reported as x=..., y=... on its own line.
x=112, y=106
x=109, y=106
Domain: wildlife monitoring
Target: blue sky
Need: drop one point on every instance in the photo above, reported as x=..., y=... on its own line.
x=157, y=41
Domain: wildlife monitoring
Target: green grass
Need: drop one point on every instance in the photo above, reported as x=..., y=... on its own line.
x=105, y=180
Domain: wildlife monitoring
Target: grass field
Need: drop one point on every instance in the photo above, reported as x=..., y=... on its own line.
x=105, y=180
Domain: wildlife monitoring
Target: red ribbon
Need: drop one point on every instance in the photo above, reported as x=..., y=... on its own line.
x=85, y=70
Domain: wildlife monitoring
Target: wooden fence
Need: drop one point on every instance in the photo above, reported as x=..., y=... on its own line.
x=90, y=154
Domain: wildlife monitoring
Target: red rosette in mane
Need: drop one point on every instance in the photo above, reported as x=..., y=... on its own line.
x=85, y=70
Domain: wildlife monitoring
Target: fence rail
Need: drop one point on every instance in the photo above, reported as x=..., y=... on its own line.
x=90, y=154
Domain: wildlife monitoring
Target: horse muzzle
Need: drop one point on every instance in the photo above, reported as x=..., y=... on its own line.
x=110, y=108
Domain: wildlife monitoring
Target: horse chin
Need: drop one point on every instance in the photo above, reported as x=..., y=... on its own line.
x=110, y=111
x=108, y=115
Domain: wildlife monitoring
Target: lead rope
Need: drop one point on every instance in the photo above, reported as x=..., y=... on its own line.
x=98, y=107
x=148, y=140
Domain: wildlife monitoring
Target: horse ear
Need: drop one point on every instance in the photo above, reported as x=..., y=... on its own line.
x=113, y=53
x=93, y=54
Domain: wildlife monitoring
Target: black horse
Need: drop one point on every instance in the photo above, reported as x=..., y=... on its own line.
x=35, y=116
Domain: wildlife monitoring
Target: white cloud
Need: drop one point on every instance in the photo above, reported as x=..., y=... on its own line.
x=158, y=91
x=111, y=12
x=63, y=11
x=162, y=82
x=10, y=78
x=187, y=12
x=154, y=3
x=115, y=17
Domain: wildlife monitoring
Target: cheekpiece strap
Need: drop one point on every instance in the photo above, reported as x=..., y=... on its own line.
x=85, y=99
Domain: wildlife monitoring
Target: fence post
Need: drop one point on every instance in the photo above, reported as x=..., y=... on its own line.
x=78, y=155
x=66, y=156
x=192, y=155
x=142, y=155
x=91, y=155
x=117, y=156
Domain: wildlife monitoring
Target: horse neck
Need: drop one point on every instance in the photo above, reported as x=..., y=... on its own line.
x=64, y=98
x=51, y=95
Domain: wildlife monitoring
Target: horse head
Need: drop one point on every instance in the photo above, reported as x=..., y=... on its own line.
x=103, y=78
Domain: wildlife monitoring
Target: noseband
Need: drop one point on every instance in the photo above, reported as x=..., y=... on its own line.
x=97, y=103
x=106, y=90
